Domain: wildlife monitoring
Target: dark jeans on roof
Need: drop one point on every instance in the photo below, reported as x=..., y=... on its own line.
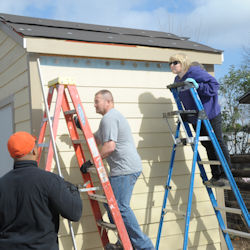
x=217, y=170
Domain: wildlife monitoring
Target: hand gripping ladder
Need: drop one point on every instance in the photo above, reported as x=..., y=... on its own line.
x=201, y=118
x=61, y=85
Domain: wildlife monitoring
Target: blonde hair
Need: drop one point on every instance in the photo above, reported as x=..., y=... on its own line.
x=183, y=59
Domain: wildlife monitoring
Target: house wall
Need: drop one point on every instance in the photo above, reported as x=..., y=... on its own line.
x=14, y=92
x=140, y=93
x=14, y=80
x=6, y=130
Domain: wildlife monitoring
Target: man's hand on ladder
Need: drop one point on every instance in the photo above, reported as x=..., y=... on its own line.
x=77, y=123
x=85, y=166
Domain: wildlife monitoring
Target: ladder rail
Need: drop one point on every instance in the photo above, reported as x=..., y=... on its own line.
x=44, y=123
x=196, y=159
x=102, y=175
x=49, y=120
x=204, y=177
x=222, y=159
x=211, y=196
x=53, y=142
x=73, y=131
x=53, y=131
x=191, y=186
x=167, y=187
x=81, y=159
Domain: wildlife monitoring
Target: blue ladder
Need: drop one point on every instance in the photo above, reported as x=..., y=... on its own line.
x=201, y=117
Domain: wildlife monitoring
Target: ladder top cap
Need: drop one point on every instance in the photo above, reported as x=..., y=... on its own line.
x=61, y=80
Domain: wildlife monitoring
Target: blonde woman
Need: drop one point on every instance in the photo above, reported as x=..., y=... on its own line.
x=207, y=88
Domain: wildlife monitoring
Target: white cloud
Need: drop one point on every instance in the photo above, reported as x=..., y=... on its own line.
x=19, y=7
x=218, y=23
x=227, y=22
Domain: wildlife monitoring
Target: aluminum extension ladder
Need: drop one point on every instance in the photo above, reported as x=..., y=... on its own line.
x=193, y=141
x=62, y=103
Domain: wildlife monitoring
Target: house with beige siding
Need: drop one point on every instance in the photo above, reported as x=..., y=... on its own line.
x=133, y=65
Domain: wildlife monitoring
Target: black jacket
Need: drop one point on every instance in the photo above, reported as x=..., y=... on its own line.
x=31, y=201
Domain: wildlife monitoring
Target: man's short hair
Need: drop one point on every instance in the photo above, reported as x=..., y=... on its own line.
x=106, y=94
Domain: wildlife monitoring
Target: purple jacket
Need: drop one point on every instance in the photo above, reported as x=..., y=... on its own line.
x=208, y=91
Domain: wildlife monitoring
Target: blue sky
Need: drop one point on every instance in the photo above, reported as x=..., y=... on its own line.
x=221, y=24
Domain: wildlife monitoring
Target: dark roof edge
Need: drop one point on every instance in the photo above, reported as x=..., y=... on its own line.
x=15, y=19
x=90, y=33
x=245, y=99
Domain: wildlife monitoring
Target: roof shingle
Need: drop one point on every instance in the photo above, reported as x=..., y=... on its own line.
x=38, y=27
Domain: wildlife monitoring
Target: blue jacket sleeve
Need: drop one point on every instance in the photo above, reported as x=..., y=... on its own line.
x=208, y=86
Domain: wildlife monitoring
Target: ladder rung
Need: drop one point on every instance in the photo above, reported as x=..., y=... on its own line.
x=46, y=119
x=79, y=141
x=229, y=210
x=92, y=170
x=179, y=112
x=190, y=140
x=107, y=225
x=166, y=210
x=70, y=112
x=226, y=187
x=179, y=84
x=98, y=197
x=204, y=138
x=209, y=162
x=237, y=233
x=43, y=145
x=88, y=189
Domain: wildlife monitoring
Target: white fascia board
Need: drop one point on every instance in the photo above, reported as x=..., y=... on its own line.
x=113, y=51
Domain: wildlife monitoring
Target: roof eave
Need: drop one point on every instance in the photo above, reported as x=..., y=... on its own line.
x=13, y=34
x=113, y=51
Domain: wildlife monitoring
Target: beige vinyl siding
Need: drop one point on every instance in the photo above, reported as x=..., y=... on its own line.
x=14, y=80
x=142, y=97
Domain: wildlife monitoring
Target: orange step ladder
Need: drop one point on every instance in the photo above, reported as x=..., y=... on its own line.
x=62, y=103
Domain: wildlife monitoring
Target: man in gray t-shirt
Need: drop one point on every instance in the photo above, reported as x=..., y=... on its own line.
x=118, y=148
x=124, y=159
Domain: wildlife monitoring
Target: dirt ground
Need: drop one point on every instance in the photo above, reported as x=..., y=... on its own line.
x=240, y=243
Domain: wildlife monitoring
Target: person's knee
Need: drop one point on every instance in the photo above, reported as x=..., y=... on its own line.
x=124, y=208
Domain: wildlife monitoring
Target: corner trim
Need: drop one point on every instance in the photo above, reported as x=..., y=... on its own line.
x=15, y=36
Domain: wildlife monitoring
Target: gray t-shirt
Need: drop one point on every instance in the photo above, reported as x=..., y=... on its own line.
x=125, y=159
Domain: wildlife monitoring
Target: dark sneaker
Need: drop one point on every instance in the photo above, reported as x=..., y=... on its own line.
x=116, y=246
x=221, y=182
x=210, y=182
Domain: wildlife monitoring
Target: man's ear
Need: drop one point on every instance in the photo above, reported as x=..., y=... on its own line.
x=35, y=151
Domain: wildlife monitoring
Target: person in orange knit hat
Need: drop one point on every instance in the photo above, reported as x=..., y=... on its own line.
x=32, y=199
x=21, y=144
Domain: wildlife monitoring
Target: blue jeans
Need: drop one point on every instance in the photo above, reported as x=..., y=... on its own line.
x=123, y=186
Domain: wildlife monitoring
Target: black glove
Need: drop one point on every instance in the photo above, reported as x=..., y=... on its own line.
x=85, y=166
x=71, y=187
x=77, y=123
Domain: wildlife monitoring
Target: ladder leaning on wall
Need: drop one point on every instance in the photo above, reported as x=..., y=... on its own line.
x=62, y=103
x=194, y=141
